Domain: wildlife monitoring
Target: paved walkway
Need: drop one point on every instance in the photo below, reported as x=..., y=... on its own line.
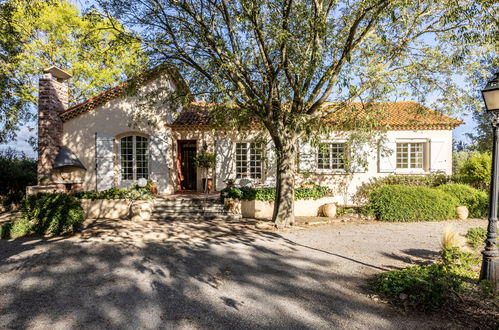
x=292, y=279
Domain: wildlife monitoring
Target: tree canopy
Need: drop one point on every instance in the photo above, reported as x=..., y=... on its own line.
x=280, y=61
x=38, y=34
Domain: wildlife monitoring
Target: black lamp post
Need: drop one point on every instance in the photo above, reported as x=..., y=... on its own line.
x=490, y=262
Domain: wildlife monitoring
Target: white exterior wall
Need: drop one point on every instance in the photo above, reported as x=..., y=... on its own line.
x=343, y=184
x=115, y=119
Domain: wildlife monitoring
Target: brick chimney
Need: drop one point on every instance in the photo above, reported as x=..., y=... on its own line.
x=52, y=100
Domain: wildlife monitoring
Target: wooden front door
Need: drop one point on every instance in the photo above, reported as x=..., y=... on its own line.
x=187, y=171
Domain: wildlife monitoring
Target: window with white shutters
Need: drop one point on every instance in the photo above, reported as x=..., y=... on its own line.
x=410, y=155
x=134, y=157
x=249, y=160
x=331, y=156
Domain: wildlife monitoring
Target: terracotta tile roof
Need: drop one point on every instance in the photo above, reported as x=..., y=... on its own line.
x=394, y=115
x=196, y=114
x=389, y=115
x=119, y=90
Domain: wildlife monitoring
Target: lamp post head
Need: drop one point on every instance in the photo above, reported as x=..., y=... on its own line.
x=490, y=94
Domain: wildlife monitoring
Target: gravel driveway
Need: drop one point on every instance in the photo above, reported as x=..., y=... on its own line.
x=290, y=279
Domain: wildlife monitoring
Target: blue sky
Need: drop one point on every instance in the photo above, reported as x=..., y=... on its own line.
x=24, y=134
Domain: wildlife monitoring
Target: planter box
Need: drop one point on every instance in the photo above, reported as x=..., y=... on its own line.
x=106, y=208
x=265, y=209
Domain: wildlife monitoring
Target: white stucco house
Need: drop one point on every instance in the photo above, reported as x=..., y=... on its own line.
x=111, y=141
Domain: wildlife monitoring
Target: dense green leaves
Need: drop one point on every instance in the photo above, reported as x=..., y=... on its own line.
x=16, y=172
x=38, y=34
x=268, y=194
x=476, y=200
x=409, y=203
x=50, y=214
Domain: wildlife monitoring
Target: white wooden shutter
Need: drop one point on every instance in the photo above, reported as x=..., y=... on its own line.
x=225, y=162
x=387, y=157
x=306, y=157
x=438, y=156
x=271, y=164
x=159, y=149
x=360, y=158
x=104, y=161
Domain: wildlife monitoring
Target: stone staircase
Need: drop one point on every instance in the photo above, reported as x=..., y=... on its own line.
x=190, y=209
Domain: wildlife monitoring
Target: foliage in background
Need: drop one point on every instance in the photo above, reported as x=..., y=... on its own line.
x=38, y=34
x=135, y=193
x=409, y=203
x=475, y=170
x=16, y=172
x=476, y=200
x=50, y=214
x=431, y=180
x=268, y=194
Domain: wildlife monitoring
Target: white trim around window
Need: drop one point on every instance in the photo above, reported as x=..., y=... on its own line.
x=333, y=159
x=249, y=160
x=411, y=156
x=133, y=151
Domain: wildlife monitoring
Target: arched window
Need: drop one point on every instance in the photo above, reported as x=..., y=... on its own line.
x=134, y=157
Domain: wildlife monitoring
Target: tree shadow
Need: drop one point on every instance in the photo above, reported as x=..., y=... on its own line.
x=248, y=280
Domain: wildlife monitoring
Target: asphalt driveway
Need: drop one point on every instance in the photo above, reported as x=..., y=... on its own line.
x=291, y=279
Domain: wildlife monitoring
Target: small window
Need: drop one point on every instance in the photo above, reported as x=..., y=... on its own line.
x=410, y=155
x=331, y=156
x=134, y=158
x=249, y=160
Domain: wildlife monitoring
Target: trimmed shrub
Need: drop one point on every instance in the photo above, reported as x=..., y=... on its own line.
x=430, y=180
x=231, y=192
x=134, y=193
x=53, y=214
x=268, y=194
x=476, y=200
x=402, y=203
x=476, y=171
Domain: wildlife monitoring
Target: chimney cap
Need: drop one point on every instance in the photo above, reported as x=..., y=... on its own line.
x=57, y=73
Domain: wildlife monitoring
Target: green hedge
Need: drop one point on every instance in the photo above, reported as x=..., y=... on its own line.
x=49, y=214
x=403, y=203
x=134, y=193
x=268, y=194
x=431, y=180
x=476, y=200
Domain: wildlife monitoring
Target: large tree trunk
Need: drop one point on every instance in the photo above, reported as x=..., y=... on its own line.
x=284, y=215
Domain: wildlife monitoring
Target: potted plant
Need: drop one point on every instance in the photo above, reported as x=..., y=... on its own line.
x=205, y=161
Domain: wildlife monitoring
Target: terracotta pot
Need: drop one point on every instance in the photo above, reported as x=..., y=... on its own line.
x=462, y=212
x=329, y=210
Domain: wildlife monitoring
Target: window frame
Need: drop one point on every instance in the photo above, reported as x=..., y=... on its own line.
x=135, y=160
x=346, y=157
x=424, y=156
x=247, y=160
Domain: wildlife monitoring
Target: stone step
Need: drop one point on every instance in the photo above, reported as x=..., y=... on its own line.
x=186, y=202
x=188, y=210
x=173, y=212
x=196, y=217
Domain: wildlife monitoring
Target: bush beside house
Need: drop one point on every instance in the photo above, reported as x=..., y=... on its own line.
x=268, y=194
x=476, y=200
